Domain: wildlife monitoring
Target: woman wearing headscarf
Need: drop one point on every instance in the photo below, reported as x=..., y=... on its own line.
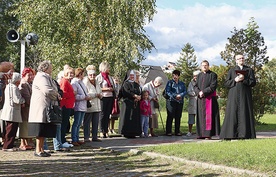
x=130, y=113
x=11, y=112
x=26, y=92
x=44, y=93
x=107, y=85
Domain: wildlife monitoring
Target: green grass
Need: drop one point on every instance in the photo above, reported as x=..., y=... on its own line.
x=268, y=123
x=258, y=154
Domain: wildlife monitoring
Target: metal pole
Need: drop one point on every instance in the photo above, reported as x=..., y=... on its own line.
x=22, y=56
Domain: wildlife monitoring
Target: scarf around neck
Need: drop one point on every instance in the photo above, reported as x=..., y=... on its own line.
x=106, y=78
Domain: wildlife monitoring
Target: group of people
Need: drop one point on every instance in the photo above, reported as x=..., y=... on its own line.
x=203, y=105
x=90, y=100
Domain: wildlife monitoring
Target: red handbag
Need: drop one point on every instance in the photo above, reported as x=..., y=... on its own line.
x=115, y=108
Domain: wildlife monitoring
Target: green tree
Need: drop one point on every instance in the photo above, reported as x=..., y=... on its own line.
x=85, y=32
x=187, y=63
x=222, y=91
x=251, y=44
x=8, y=51
x=270, y=82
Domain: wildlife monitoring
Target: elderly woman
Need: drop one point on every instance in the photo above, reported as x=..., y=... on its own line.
x=81, y=97
x=44, y=92
x=93, y=113
x=130, y=113
x=67, y=102
x=26, y=92
x=107, y=85
x=11, y=112
x=153, y=88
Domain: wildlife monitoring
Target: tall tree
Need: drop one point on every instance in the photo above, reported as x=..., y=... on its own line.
x=251, y=44
x=8, y=51
x=85, y=32
x=187, y=63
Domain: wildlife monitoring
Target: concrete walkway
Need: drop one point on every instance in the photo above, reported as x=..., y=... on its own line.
x=97, y=159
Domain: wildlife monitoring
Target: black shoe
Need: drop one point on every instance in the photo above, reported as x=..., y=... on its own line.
x=96, y=140
x=41, y=154
x=178, y=134
x=168, y=134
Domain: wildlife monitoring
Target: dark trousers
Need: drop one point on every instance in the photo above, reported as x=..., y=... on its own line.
x=174, y=111
x=106, y=104
x=66, y=112
x=11, y=129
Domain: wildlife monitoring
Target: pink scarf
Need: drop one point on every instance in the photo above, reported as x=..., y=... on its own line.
x=105, y=76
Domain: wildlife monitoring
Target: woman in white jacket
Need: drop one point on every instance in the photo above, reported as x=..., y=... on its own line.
x=93, y=113
x=11, y=112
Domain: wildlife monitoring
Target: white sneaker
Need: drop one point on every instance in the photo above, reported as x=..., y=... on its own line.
x=67, y=145
x=189, y=134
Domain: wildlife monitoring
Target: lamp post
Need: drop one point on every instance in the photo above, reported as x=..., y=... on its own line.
x=31, y=39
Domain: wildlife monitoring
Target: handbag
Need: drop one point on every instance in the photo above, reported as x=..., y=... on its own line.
x=165, y=95
x=156, y=104
x=88, y=104
x=115, y=107
x=54, y=114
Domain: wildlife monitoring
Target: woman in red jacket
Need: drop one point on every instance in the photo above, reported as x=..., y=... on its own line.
x=67, y=102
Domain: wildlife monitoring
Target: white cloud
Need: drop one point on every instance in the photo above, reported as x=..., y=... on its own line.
x=206, y=28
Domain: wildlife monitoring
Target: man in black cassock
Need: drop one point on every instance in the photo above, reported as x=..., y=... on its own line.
x=239, y=119
x=207, y=119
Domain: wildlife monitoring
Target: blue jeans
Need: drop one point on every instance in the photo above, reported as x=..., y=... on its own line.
x=57, y=140
x=94, y=117
x=145, y=124
x=78, y=117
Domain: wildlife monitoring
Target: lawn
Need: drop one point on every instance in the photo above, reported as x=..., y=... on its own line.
x=268, y=123
x=257, y=154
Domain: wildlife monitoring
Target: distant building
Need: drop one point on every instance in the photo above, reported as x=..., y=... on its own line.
x=169, y=67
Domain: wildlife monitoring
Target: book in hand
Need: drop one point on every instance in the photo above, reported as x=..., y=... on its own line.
x=243, y=72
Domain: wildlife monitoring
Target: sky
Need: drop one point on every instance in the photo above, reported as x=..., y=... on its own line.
x=206, y=25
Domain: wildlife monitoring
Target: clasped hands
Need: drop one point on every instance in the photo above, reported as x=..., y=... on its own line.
x=239, y=78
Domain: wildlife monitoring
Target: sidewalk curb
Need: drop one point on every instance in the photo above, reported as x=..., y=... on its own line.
x=200, y=164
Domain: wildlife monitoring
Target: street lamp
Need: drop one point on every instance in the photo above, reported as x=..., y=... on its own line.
x=31, y=39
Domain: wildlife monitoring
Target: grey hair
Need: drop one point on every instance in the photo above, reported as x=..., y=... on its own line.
x=104, y=66
x=15, y=77
x=44, y=65
x=158, y=80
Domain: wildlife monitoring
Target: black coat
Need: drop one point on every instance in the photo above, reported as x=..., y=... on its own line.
x=239, y=118
x=207, y=83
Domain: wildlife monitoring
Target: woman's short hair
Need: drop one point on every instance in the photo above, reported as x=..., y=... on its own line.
x=15, y=77
x=26, y=71
x=78, y=72
x=44, y=65
x=90, y=67
x=176, y=72
x=158, y=81
x=67, y=70
x=104, y=66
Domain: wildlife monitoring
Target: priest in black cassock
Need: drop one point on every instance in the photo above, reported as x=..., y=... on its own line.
x=239, y=119
x=207, y=119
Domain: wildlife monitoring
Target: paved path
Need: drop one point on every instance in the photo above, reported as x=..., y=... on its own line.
x=100, y=159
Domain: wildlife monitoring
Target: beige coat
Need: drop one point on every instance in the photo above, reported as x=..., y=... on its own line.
x=44, y=90
x=93, y=91
x=12, y=105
